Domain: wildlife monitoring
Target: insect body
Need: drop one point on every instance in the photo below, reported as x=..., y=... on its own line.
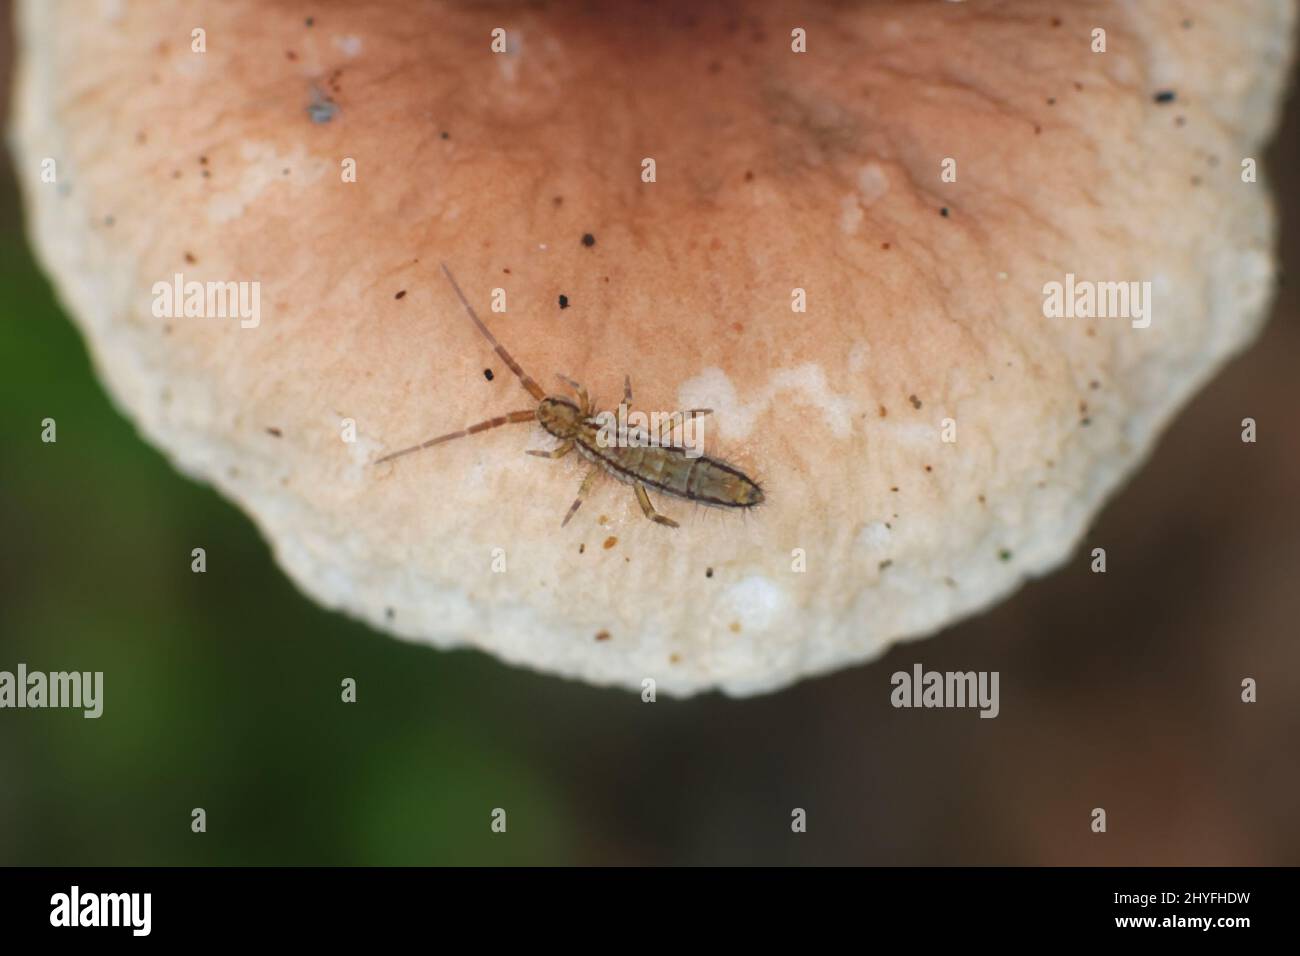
x=633, y=459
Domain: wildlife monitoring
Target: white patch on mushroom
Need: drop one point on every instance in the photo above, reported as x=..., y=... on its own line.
x=265, y=167
x=508, y=62
x=755, y=603
x=713, y=389
x=858, y=356
x=872, y=183
x=348, y=45
x=850, y=214
x=874, y=538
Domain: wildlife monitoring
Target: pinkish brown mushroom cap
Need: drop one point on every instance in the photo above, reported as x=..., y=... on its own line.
x=847, y=253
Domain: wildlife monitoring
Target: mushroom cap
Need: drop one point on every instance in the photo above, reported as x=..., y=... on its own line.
x=774, y=172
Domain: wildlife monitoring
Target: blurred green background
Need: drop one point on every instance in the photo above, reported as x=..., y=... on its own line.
x=223, y=689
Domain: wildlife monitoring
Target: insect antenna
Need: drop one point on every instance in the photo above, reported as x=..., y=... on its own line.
x=526, y=415
x=534, y=389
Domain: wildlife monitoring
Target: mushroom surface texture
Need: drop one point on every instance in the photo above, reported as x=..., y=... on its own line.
x=942, y=272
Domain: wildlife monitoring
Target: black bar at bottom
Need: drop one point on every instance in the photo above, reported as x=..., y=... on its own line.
x=442, y=905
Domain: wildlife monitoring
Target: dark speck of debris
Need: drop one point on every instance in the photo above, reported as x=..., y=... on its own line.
x=708, y=572
x=1056, y=21
x=487, y=374
x=311, y=21
x=400, y=295
x=1004, y=555
x=1085, y=422
x=445, y=135
x=109, y=220
x=207, y=174
x=273, y=432
x=916, y=402
x=944, y=212
x=564, y=302
x=884, y=564
x=189, y=257
x=582, y=548
x=1165, y=96
x=602, y=635
x=1051, y=101
x=558, y=201
x=389, y=613
x=1187, y=24
x=588, y=240
x=290, y=55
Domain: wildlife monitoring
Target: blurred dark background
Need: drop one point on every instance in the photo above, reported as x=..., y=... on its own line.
x=1119, y=690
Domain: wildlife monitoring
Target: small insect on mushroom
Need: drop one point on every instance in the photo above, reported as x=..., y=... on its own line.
x=637, y=462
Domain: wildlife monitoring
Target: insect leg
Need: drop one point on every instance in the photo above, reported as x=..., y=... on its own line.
x=643, y=498
x=625, y=406
x=525, y=415
x=583, y=491
x=525, y=379
x=559, y=452
x=582, y=392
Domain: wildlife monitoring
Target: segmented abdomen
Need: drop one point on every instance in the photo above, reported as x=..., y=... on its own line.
x=670, y=470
